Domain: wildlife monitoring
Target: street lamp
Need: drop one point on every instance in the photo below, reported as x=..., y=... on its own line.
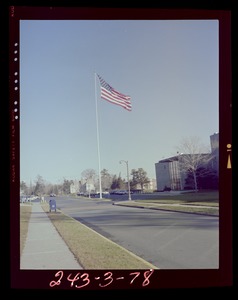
x=127, y=169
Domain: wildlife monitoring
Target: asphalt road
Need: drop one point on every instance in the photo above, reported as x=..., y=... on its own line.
x=168, y=240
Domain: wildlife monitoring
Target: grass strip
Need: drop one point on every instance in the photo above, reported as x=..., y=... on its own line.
x=200, y=196
x=25, y=214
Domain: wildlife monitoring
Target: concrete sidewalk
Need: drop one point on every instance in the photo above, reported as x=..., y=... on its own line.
x=44, y=248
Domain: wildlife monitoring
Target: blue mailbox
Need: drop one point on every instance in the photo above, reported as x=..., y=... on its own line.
x=52, y=204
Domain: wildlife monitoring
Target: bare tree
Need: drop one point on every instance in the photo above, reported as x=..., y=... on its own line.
x=89, y=175
x=193, y=156
x=106, y=180
x=23, y=187
x=139, y=176
x=40, y=186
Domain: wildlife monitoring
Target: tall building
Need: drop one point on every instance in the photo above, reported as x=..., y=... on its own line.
x=168, y=174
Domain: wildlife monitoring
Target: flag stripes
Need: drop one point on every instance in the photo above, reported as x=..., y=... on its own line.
x=110, y=94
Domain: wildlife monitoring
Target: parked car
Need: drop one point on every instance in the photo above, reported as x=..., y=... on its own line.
x=80, y=194
x=113, y=192
x=119, y=192
x=32, y=198
x=122, y=192
x=23, y=198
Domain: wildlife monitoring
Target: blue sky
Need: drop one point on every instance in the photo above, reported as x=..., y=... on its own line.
x=168, y=67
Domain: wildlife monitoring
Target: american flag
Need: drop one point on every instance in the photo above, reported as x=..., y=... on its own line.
x=110, y=94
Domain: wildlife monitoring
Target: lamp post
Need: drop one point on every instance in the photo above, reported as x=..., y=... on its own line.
x=128, y=181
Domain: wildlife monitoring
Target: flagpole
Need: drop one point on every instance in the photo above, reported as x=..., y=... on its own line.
x=99, y=163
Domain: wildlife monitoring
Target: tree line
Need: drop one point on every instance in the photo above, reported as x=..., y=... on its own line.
x=108, y=182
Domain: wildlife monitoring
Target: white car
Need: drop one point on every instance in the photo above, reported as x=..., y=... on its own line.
x=23, y=199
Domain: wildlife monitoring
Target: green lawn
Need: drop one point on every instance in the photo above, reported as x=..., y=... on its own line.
x=200, y=196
